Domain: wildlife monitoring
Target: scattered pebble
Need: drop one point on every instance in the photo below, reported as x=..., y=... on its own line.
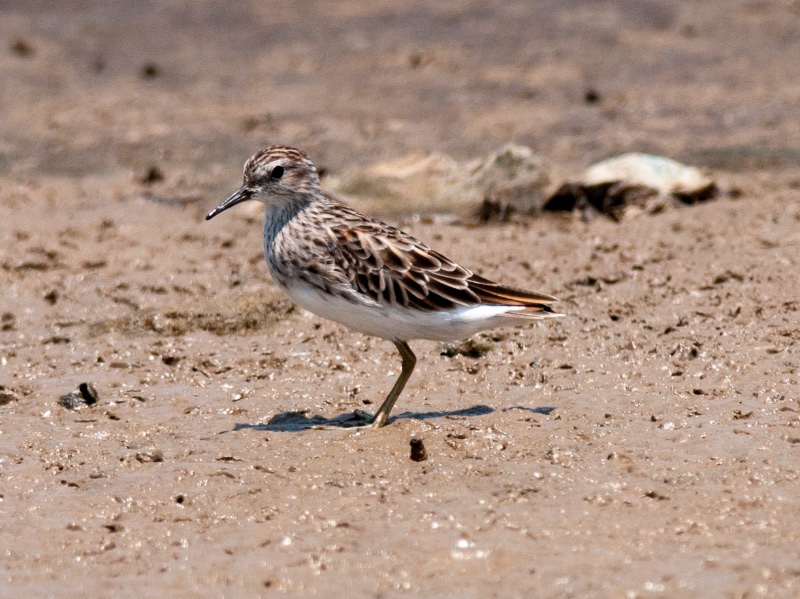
x=84, y=395
x=7, y=395
x=591, y=96
x=21, y=48
x=51, y=297
x=656, y=495
x=418, y=452
x=150, y=70
x=152, y=175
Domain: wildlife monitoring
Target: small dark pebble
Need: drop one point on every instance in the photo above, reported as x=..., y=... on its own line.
x=51, y=297
x=418, y=453
x=84, y=395
x=170, y=360
x=656, y=495
x=151, y=175
x=591, y=96
x=21, y=48
x=416, y=60
x=88, y=393
x=150, y=70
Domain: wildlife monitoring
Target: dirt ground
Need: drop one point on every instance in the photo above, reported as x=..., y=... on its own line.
x=647, y=445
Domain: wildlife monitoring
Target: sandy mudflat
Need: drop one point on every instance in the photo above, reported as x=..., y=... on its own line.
x=648, y=445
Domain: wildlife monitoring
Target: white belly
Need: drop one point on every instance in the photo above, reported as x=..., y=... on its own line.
x=401, y=324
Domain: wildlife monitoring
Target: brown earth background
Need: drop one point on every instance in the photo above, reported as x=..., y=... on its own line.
x=647, y=445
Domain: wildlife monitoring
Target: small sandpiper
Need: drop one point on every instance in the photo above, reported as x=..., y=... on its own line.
x=365, y=274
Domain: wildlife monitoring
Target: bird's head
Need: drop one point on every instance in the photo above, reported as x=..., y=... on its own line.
x=277, y=173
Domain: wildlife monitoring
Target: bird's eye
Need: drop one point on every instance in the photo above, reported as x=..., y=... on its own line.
x=276, y=173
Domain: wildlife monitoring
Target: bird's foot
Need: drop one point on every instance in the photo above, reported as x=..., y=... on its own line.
x=355, y=419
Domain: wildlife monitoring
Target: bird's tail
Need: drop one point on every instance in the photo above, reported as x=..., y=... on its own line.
x=534, y=305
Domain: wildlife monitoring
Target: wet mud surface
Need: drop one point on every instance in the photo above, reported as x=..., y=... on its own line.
x=647, y=445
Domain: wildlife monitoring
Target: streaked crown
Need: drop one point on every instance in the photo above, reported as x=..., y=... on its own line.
x=281, y=169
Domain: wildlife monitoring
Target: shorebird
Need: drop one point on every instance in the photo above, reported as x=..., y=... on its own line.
x=365, y=274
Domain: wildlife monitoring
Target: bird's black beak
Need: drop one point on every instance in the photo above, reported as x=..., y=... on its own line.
x=242, y=195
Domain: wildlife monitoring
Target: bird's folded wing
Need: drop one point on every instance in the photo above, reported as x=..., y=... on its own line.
x=388, y=266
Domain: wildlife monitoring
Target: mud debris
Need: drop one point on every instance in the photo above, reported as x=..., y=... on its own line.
x=630, y=183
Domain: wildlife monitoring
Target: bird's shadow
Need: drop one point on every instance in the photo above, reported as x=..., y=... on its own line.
x=296, y=421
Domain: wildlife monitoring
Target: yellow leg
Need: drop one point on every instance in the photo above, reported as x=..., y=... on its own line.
x=409, y=361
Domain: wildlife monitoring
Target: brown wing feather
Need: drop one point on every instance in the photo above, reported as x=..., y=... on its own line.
x=385, y=264
x=492, y=292
x=536, y=304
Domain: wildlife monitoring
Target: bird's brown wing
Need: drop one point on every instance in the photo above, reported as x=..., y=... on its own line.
x=386, y=265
